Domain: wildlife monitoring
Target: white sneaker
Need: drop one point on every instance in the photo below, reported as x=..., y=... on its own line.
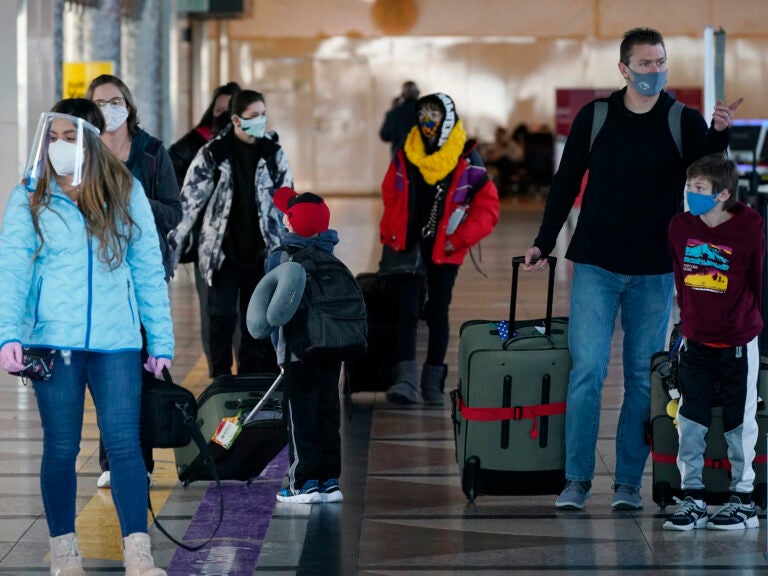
x=104, y=480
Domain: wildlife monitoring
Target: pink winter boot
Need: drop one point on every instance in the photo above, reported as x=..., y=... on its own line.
x=66, y=559
x=137, y=556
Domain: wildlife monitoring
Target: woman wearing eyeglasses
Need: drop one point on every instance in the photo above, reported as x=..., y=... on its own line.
x=144, y=155
x=148, y=161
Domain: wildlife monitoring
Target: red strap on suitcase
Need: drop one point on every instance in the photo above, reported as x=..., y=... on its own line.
x=512, y=413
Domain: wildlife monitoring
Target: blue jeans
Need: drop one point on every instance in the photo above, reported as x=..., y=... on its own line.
x=596, y=296
x=115, y=384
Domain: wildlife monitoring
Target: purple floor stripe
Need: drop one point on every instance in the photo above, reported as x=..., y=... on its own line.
x=247, y=514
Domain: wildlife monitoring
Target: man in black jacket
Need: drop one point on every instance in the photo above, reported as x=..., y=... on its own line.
x=401, y=118
x=620, y=255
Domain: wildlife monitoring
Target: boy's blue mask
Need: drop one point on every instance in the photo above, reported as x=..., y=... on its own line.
x=700, y=204
x=650, y=83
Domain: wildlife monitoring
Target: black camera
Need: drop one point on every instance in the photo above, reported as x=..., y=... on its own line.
x=38, y=364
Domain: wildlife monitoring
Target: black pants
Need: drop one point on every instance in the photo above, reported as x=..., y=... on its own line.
x=736, y=369
x=232, y=288
x=440, y=281
x=314, y=417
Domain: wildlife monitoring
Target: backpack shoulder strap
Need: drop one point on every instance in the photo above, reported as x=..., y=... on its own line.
x=674, y=118
x=675, y=125
x=598, y=119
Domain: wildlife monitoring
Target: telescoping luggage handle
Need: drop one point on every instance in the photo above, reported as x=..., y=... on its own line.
x=267, y=394
x=516, y=261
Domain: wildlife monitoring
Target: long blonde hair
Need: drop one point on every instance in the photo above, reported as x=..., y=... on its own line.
x=105, y=190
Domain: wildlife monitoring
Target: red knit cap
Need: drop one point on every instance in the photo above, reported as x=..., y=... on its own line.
x=307, y=213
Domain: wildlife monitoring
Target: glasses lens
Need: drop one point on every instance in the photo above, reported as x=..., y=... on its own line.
x=114, y=102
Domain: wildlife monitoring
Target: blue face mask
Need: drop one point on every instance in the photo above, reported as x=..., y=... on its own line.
x=700, y=204
x=650, y=83
x=254, y=126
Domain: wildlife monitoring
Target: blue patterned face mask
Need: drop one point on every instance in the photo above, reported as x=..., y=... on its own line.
x=650, y=83
x=428, y=127
x=700, y=204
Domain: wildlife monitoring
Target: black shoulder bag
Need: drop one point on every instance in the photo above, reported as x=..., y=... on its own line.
x=169, y=420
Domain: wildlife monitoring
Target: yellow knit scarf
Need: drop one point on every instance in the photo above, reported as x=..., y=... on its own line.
x=434, y=167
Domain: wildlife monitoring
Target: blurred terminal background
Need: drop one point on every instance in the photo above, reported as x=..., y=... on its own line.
x=330, y=68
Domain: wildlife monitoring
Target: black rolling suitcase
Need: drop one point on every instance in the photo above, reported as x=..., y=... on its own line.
x=373, y=372
x=664, y=439
x=261, y=438
x=509, y=409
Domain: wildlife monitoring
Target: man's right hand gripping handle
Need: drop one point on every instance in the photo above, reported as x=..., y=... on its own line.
x=533, y=254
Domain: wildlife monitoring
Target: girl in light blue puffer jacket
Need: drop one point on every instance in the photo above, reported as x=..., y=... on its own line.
x=81, y=271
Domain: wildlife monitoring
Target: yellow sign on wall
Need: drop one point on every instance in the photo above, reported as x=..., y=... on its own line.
x=77, y=75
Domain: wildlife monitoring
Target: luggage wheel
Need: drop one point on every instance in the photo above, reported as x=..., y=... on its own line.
x=470, y=477
x=662, y=494
x=760, y=495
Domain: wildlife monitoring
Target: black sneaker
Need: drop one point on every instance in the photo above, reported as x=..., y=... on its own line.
x=687, y=516
x=735, y=516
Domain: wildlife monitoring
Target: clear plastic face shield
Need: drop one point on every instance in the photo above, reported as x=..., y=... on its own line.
x=61, y=140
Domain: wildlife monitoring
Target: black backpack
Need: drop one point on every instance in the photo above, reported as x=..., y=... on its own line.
x=330, y=323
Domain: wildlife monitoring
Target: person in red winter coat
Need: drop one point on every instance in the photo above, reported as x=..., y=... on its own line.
x=438, y=203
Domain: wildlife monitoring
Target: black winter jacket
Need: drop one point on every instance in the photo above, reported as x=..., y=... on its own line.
x=149, y=163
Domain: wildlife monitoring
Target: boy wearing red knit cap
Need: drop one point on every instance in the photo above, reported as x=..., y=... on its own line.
x=314, y=414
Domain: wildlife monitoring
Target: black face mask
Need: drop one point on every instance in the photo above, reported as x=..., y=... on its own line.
x=220, y=121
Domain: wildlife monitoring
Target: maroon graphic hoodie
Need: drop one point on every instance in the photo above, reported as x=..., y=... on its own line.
x=718, y=276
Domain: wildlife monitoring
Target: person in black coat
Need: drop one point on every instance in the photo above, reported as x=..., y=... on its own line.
x=148, y=162
x=401, y=118
x=182, y=152
x=215, y=117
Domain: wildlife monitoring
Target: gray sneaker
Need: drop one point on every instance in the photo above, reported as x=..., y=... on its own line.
x=574, y=495
x=626, y=497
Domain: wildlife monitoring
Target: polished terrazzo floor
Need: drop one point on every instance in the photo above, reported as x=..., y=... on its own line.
x=403, y=512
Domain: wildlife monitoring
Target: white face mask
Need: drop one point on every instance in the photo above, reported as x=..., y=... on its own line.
x=114, y=116
x=63, y=156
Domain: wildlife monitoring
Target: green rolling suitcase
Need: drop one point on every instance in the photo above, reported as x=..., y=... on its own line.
x=664, y=440
x=509, y=409
x=259, y=441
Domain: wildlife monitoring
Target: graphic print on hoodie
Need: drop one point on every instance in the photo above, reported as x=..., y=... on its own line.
x=705, y=266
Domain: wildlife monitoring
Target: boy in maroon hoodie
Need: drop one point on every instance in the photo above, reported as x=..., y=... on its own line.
x=718, y=249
